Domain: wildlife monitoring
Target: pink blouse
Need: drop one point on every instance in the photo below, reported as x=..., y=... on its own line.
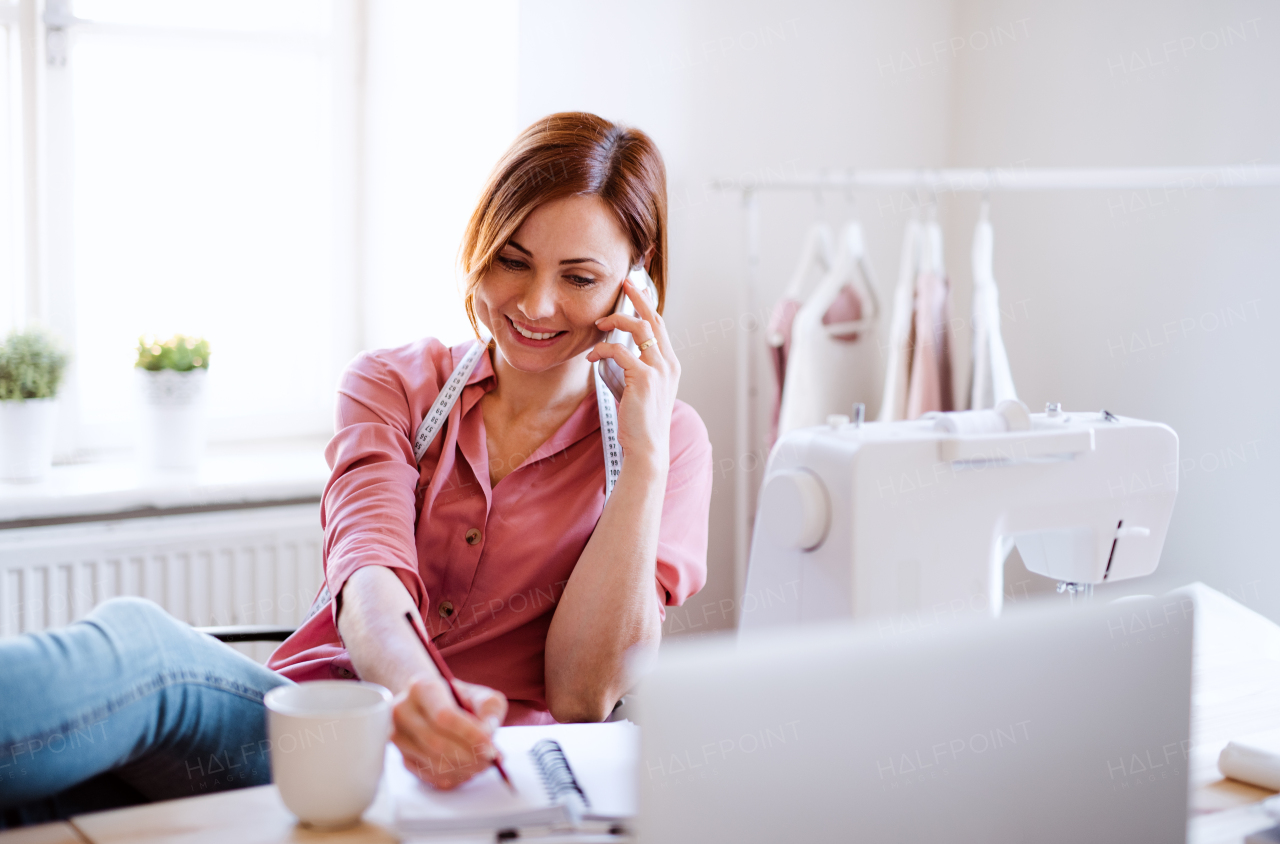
x=486, y=566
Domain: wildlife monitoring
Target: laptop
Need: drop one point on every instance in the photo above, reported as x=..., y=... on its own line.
x=1058, y=725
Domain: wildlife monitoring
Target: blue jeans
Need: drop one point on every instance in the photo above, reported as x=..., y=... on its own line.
x=127, y=706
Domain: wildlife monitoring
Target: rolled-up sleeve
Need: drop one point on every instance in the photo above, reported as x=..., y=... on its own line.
x=682, y=537
x=368, y=507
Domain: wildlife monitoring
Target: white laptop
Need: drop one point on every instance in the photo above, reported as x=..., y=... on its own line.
x=1060, y=725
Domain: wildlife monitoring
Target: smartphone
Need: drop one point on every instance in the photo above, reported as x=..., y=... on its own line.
x=613, y=375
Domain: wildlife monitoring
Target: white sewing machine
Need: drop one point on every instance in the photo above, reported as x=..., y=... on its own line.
x=883, y=519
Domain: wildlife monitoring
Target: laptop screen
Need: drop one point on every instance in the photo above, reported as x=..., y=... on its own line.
x=1053, y=725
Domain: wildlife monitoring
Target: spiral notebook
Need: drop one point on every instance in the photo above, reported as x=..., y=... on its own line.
x=564, y=774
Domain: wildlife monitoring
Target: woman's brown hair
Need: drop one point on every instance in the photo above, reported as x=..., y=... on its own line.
x=571, y=154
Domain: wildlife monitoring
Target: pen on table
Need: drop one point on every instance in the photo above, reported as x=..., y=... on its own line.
x=448, y=679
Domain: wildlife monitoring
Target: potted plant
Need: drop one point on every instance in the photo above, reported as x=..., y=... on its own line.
x=31, y=367
x=172, y=375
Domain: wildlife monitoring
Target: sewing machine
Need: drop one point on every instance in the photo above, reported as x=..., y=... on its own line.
x=915, y=519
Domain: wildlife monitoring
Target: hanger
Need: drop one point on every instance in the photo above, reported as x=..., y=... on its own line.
x=852, y=268
x=818, y=252
x=854, y=252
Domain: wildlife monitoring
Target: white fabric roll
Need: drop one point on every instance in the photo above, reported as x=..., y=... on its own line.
x=1254, y=759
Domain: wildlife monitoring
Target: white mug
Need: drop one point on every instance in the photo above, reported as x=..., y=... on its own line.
x=328, y=739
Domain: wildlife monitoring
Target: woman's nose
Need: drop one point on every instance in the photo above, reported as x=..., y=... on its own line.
x=538, y=299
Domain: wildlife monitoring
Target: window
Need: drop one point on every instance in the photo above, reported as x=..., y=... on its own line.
x=193, y=180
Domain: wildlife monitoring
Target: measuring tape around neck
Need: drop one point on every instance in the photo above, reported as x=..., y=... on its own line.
x=448, y=396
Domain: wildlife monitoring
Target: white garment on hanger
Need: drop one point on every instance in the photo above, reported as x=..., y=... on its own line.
x=827, y=374
x=992, y=377
x=893, y=404
x=816, y=259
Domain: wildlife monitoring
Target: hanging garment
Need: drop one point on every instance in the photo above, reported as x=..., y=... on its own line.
x=930, y=384
x=834, y=360
x=816, y=258
x=930, y=387
x=847, y=308
x=992, y=380
x=893, y=404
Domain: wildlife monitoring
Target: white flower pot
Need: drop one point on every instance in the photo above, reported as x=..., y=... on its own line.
x=173, y=430
x=27, y=427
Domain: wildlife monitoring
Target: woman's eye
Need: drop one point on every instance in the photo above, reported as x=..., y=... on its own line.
x=510, y=263
x=581, y=280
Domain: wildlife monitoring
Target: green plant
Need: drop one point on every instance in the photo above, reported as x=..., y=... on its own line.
x=31, y=365
x=179, y=353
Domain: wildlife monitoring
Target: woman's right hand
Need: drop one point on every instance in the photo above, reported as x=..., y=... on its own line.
x=443, y=744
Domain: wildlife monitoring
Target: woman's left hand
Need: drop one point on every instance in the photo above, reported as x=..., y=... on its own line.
x=644, y=414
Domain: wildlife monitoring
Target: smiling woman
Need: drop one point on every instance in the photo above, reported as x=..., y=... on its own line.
x=544, y=598
x=507, y=505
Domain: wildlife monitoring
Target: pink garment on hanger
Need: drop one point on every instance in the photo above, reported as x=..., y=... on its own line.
x=847, y=307
x=930, y=388
x=784, y=314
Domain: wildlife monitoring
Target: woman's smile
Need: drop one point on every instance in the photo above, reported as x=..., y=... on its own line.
x=527, y=335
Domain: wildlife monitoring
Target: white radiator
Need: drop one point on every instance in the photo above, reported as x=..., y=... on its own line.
x=252, y=566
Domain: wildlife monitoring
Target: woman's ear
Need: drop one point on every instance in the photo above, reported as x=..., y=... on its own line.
x=648, y=256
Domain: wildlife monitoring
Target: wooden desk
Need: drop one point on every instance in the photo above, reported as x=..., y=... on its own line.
x=1236, y=690
x=245, y=816
x=45, y=833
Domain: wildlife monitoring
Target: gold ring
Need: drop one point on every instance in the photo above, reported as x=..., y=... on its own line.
x=647, y=343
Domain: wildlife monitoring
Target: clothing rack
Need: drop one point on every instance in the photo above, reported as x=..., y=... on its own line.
x=1171, y=180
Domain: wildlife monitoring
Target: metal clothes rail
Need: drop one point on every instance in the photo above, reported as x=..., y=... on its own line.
x=935, y=182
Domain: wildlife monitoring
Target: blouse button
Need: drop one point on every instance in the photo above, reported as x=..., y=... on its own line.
x=473, y=536
x=446, y=609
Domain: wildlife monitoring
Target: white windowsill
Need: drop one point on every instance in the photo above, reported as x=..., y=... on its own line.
x=242, y=474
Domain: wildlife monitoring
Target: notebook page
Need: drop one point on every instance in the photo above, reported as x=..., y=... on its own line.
x=484, y=801
x=602, y=757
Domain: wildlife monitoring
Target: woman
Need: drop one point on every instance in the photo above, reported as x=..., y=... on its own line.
x=542, y=597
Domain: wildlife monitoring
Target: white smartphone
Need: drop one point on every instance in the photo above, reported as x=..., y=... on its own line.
x=610, y=371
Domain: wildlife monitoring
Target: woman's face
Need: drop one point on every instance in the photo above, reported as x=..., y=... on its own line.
x=560, y=272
